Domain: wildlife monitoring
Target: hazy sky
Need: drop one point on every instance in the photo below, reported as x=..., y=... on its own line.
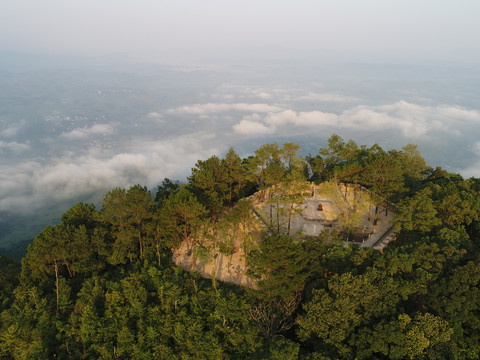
x=192, y=30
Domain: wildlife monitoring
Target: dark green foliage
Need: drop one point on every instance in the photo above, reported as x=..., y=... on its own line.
x=456, y=298
x=210, y=184
x=156, y=313
x=279, y=349
x=9, y=278
x=127, y=213
x=417, y=213
x=348, y=302
x=281, y=265
x=81, y=214
x=167, y=188
x=236, y=176
x=181, y=218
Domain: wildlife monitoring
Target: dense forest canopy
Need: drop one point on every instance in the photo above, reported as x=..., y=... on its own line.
x=102, y=283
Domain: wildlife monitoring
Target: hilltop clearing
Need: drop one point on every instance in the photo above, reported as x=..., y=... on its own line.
x=328, y=206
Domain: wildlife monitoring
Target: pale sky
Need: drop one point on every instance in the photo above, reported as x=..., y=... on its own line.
x=209, y=30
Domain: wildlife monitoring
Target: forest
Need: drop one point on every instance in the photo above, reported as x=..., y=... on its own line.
x=102, y=283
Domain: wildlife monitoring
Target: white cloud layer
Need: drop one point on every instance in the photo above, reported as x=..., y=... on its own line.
x=411, y=120
x=29, y=185
x=248, y=127
x=13, y=146
x=474, y=168
x=310, y=118
x=209, y=108
x=82, y=133
x=328, y=97
x=155, y=115
x=10, y=131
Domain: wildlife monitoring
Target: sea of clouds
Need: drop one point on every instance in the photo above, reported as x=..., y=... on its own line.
x=43, y=161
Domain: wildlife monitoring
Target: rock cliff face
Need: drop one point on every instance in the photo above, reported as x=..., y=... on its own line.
x=228, y=268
